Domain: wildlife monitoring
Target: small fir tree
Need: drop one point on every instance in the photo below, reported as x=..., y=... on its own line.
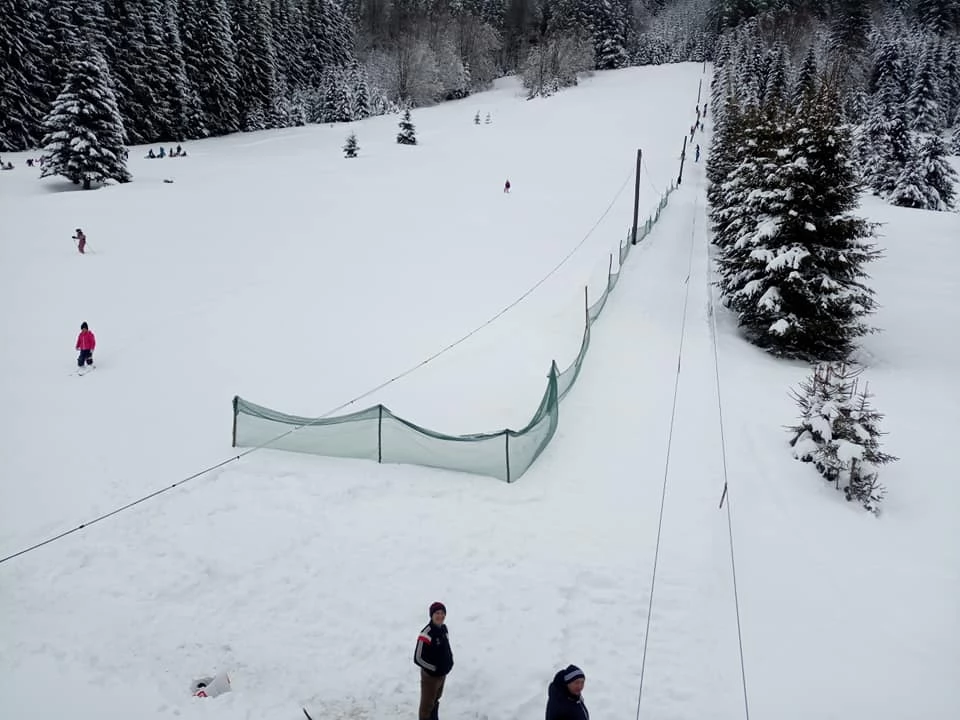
x=911, y=188
x=955, y=141
x=351, y=147
x=488, y=121
x=83, y=132
x=476, y=118
x=407, y=134
x=839, y=432
x=938, y=173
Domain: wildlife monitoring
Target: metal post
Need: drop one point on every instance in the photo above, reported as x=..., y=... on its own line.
x=699, y=89
x=235, y=399
x=380, y=435
x=586, y=306
x=506, y=435
x=683, y=156
x=636, y=197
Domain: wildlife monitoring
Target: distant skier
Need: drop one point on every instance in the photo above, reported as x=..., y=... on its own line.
x=81, y=241
x=506, y=186
x=86, y=344
x=435, y=659
x=564, y=698
x=697, y=158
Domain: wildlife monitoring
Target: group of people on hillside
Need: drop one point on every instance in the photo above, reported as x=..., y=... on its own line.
x=178, y=151
x=434, y=656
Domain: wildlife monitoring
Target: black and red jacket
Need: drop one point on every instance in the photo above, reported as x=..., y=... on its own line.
x=433, y=652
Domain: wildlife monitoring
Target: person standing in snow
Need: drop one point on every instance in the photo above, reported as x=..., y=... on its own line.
x=81, y=240
x=698, y=154
x=506, y=186
x=434, y=657
x=86, y=344
x=564, y=696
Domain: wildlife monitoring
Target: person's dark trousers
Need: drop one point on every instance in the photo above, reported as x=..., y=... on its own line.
x=431, y=690
x=86, y=357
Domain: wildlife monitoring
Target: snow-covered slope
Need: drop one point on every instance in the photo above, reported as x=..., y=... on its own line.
x=275, y=269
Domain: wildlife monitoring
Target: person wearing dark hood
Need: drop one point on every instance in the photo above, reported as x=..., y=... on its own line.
x=434, y=657
x=564, y=696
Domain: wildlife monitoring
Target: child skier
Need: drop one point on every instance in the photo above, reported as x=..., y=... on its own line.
x=81, y=240
x=86, y=344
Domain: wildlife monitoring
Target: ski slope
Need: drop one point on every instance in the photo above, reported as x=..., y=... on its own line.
x=273, y=268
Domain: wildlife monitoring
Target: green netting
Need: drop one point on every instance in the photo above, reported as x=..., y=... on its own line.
x=377, y=434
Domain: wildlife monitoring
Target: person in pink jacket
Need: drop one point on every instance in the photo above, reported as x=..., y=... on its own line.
x=86, y=344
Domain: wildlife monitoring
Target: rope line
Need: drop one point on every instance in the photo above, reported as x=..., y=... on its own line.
x=726, y=484
x=342, y=406
x=666, y=467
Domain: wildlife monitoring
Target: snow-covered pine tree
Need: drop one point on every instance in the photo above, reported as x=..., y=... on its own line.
x=83, y=132
x=351, y=147
x=794, y=271
x=732, y=141
x=955, y=141
x=940, y=17
x=938, y=173
x=775, y=91
x=839, y=432
x=184, y=112
x=488, y=120
x=210, y=60
x=360, y=92
x=256, y=59
x=134, y=69
x=949, y=78
x=71, y=29
x=924, y=101
x=807, y=79
x=909, y=186
x=337, y=105
x=407, y=134
x=476, y=118
x=21, y=95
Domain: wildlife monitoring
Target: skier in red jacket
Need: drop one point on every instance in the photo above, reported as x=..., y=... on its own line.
x=86, y=344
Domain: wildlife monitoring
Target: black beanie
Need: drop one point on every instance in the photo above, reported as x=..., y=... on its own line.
x=83, y=326
x=571, y=673
x=437, y=606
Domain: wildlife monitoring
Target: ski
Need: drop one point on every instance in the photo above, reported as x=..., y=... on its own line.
x=307, y=714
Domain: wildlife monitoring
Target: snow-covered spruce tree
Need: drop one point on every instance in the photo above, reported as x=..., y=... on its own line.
x=911, y=189
x=256, y=63
x=21, y=98
x=924, y=102
x=351, y=147
x=476, y=118
x=794, y=268
x=733, y=142
x=807, y=79
x=839, y=432
x=938, y=173
x=210, y=59
x=83, y=132
x=955, y=141
x=360, y=95
x=407, y=134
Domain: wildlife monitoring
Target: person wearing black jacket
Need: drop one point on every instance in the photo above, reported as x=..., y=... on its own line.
x=435, y=658
x=564, y=699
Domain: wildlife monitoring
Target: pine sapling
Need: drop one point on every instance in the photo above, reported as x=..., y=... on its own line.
x=839, y=432
x=351, y=147
x=476, y=118
x=407, y=134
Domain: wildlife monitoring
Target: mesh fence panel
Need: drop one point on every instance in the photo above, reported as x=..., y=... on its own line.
x=377, y=434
